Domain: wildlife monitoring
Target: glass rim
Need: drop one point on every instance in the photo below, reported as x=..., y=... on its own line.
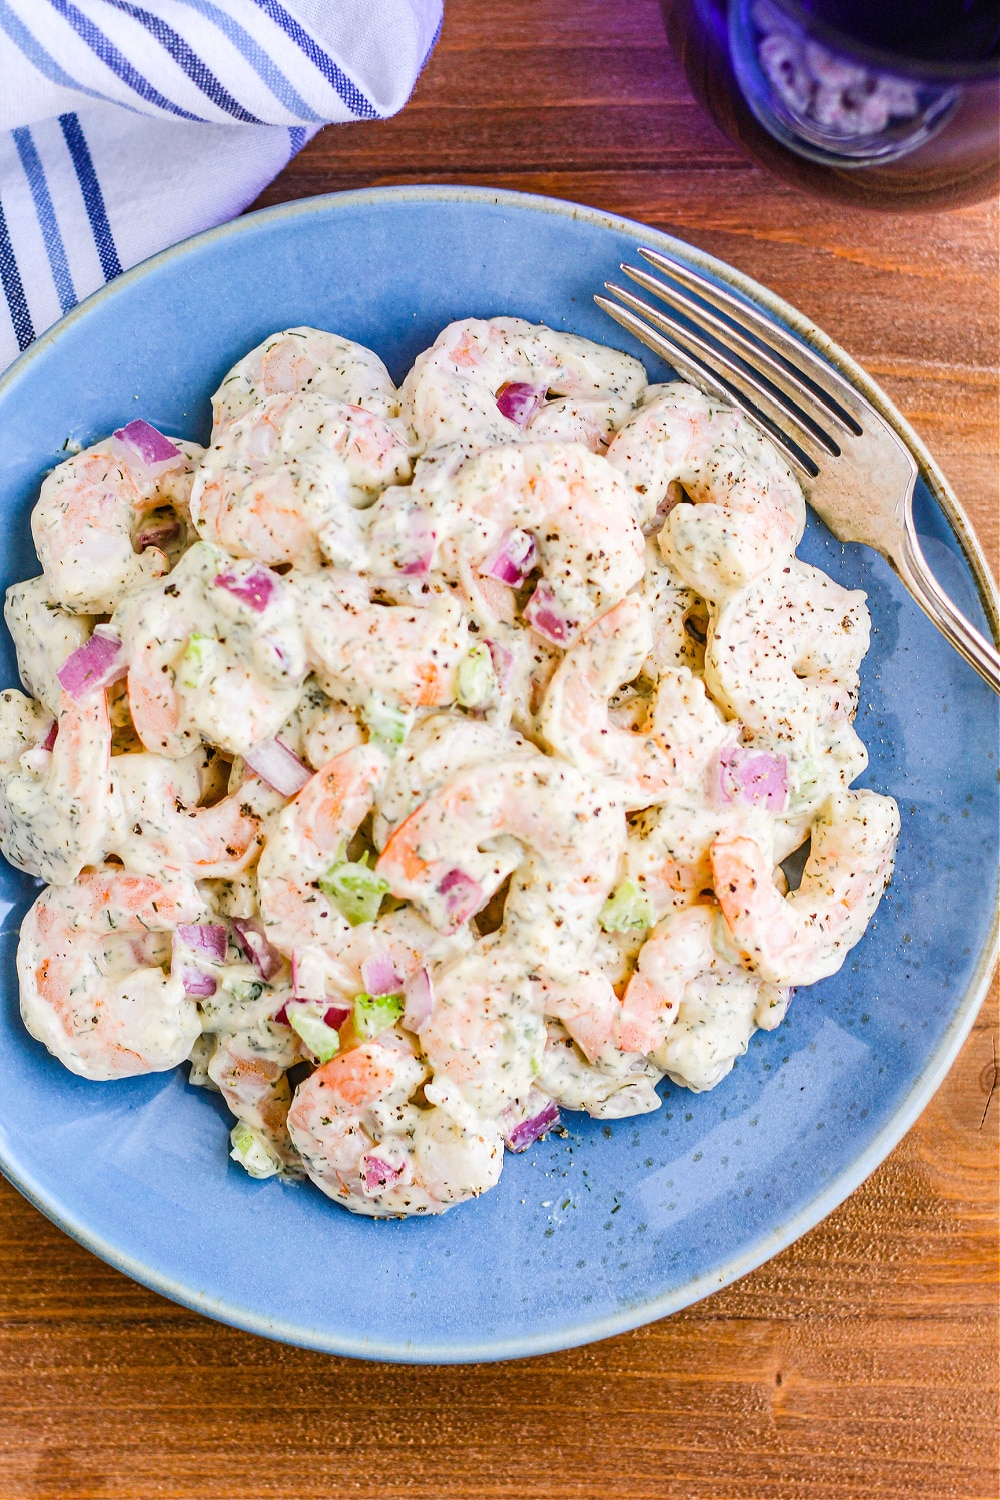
x=884, y=57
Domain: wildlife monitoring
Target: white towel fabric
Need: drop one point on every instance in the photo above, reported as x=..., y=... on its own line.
x=126, y=125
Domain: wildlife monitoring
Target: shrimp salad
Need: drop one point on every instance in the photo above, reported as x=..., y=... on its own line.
x=415, y=764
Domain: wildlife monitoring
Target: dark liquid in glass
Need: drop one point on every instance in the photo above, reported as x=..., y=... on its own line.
x=948, y=50
x=928, y=30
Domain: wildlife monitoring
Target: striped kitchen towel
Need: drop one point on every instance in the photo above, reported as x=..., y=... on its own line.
x=125, y=127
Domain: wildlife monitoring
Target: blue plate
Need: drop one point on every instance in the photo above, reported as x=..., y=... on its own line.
x=610, y=1225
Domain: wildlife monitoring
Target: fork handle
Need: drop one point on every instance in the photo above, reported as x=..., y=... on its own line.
x=913, y=569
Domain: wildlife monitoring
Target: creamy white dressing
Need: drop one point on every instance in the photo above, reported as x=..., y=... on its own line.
x=543, y=713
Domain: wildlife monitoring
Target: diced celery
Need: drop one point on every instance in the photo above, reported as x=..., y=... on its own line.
x=387, y=723
x=252, y=1152
x=805, y=780
x=246, y=991
x=197, y=661
x=627, y=909
x=374, y=1013
x=321, y=1039
x=477, y=680
x=355, y=889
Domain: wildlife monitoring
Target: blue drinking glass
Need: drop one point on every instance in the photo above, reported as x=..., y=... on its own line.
x=895, y=103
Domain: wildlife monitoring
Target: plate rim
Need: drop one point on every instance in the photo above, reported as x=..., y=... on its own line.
x=922, y=1089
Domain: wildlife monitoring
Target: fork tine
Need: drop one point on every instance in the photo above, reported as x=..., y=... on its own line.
x=701, y=374
x=795, y=386
x=668, y=322
x=763, y=338
x=755, y=396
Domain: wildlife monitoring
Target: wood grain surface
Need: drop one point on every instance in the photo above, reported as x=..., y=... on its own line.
x=862, y=1362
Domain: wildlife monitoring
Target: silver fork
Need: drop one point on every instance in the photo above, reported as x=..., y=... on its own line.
x=856, y=472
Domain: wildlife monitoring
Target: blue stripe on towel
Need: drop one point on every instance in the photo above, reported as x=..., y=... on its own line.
x=10, y=280
x=258, y=59
x=37, y=55
x=105, y=49
x=188, y=61
x=93, y=198
x=335, y=76
x=47, y=221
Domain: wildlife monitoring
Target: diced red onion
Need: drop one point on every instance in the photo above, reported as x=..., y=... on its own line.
x=95, y=665
x=50, y=737
x=754, y=777
x=204, y=937
x=265, y=958
x=419, y=995
x=255, y=588
x=334, y=1016
x=513, y=560
x=141, y=443
x=417, y=554
x=503, y=664
x=378, y=975
x=524, y=1135
x=278, y=766
x=463, y=896
x=671, y=498
x=519, y=400
x=543, y=615
x=197, y=982
x=158, y=535
x=378, y=1174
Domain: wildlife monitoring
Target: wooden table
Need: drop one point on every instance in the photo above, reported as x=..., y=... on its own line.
x=859, y=1364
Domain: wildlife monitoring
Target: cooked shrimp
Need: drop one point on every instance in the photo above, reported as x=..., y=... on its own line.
x=578, y=419
x=44, y=633
x=682, y=731
x=783, y=657
x=806, y=935
x=680, y=618
x=368, y=1146
x=558, y=829
x=435, y=751
x=748, y=512
x=90, y=963
x=614, y=1086
x=88, y=519
x=668, y=850
x=320, y=729
x=160, y=825
x=690, y=1006
x=486, y=1032
x=54, y=803
x=335, y=972
x=450, y=395
x=306, y=359
x=364, y=653
x=574, y=505
x=284, y=481
x=250, y=1071
x=215, y=653
x=307, y=838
